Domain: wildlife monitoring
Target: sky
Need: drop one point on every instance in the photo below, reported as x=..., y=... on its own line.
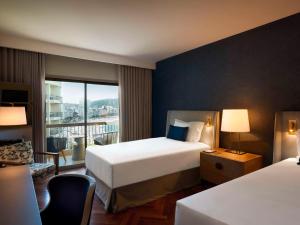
x=74, y=92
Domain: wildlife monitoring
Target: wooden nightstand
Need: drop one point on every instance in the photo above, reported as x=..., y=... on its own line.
x=221, y=166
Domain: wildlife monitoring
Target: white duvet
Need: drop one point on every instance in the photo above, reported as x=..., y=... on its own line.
x=131, y=162
x=269, y=196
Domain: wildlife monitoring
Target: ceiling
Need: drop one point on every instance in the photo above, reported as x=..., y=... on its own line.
x=146, y=30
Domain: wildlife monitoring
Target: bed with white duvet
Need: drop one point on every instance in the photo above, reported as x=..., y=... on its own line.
x=266, y=197
x=133, y=173
x=126, y=163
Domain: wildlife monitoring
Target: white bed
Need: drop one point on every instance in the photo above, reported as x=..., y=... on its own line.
x=267, y=197
x=126, y=163
x=125, y=171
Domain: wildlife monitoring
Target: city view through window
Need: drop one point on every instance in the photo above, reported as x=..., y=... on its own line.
x=74, y=121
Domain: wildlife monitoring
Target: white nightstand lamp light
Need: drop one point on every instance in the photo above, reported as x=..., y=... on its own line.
x=12, y=116
x=235, y=121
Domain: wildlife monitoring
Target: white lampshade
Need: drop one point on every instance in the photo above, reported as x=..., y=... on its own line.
x=10, y=116
x=235, y=120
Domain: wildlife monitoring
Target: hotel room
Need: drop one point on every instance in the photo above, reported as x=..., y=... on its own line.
x=149, y=112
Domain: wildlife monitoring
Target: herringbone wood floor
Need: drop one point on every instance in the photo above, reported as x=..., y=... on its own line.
x=158, y=212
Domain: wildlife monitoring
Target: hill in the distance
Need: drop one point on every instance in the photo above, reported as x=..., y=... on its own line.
x=105, y=102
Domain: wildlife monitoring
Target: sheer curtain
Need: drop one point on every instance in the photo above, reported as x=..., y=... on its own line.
x=135, y=103
x=26, y=67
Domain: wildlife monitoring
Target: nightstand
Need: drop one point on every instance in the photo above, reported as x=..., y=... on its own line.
x=221, y=166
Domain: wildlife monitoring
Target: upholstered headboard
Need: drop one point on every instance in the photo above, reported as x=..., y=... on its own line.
x=285, y=144
x=210, y=134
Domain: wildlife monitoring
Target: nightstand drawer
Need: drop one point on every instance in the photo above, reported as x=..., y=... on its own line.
x=219, y=170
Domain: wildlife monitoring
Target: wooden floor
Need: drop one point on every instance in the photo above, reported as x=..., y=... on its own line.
x=158, y=212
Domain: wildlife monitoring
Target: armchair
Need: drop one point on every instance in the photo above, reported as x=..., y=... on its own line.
x=55, y=157
x=17, y=152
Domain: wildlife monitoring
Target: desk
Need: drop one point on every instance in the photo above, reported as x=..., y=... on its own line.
x=18, y=204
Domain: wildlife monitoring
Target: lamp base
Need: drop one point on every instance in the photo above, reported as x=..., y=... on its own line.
x=235, y=152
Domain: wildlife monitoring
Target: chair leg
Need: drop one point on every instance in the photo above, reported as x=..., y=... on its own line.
x=56, y=162
x=63, y=154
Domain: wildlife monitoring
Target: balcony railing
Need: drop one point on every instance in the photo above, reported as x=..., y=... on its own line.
x=54, y=97
x=56, y=114
x=97, y=132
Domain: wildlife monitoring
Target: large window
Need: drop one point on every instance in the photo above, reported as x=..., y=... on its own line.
x=79, y=114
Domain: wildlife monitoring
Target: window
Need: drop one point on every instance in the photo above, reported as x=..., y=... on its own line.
x=79, y=114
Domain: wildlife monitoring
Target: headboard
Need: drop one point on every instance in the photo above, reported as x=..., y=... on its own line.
x=285, y=144
x=210, y=134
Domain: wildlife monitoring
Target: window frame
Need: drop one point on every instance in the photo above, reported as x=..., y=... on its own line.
x=85, y=123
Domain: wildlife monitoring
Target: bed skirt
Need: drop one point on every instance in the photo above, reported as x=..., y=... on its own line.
x=118, y=199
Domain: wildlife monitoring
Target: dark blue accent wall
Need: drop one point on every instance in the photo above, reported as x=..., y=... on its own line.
x=258, y=69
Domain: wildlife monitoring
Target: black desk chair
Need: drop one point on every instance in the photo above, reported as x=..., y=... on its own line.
x=71, y=200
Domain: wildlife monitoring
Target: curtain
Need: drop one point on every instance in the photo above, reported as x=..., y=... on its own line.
x=135, y=103
x=26, y=67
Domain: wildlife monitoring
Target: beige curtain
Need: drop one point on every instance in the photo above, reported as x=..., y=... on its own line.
x=135, y=103
x=26, y=67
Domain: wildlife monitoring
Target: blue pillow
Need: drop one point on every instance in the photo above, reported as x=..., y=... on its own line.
x=177, y=133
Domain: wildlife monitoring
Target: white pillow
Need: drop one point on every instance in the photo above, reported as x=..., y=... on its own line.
x=180, y=123
x=195, y=129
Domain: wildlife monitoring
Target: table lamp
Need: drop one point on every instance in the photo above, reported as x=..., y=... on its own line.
x=12, y=115
x=235, y=121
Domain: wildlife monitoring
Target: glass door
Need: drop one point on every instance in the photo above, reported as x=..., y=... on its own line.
x=102, y=114
x=65, y=121
x=79, y=114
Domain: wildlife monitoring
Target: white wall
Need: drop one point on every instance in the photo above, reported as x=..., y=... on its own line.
x=12, y=41
x=80, y=69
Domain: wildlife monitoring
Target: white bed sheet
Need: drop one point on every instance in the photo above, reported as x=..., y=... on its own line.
x=131, y=162
x=269, y=196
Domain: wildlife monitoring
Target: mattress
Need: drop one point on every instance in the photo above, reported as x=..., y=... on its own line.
x=127, y=163
x=267, y=197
